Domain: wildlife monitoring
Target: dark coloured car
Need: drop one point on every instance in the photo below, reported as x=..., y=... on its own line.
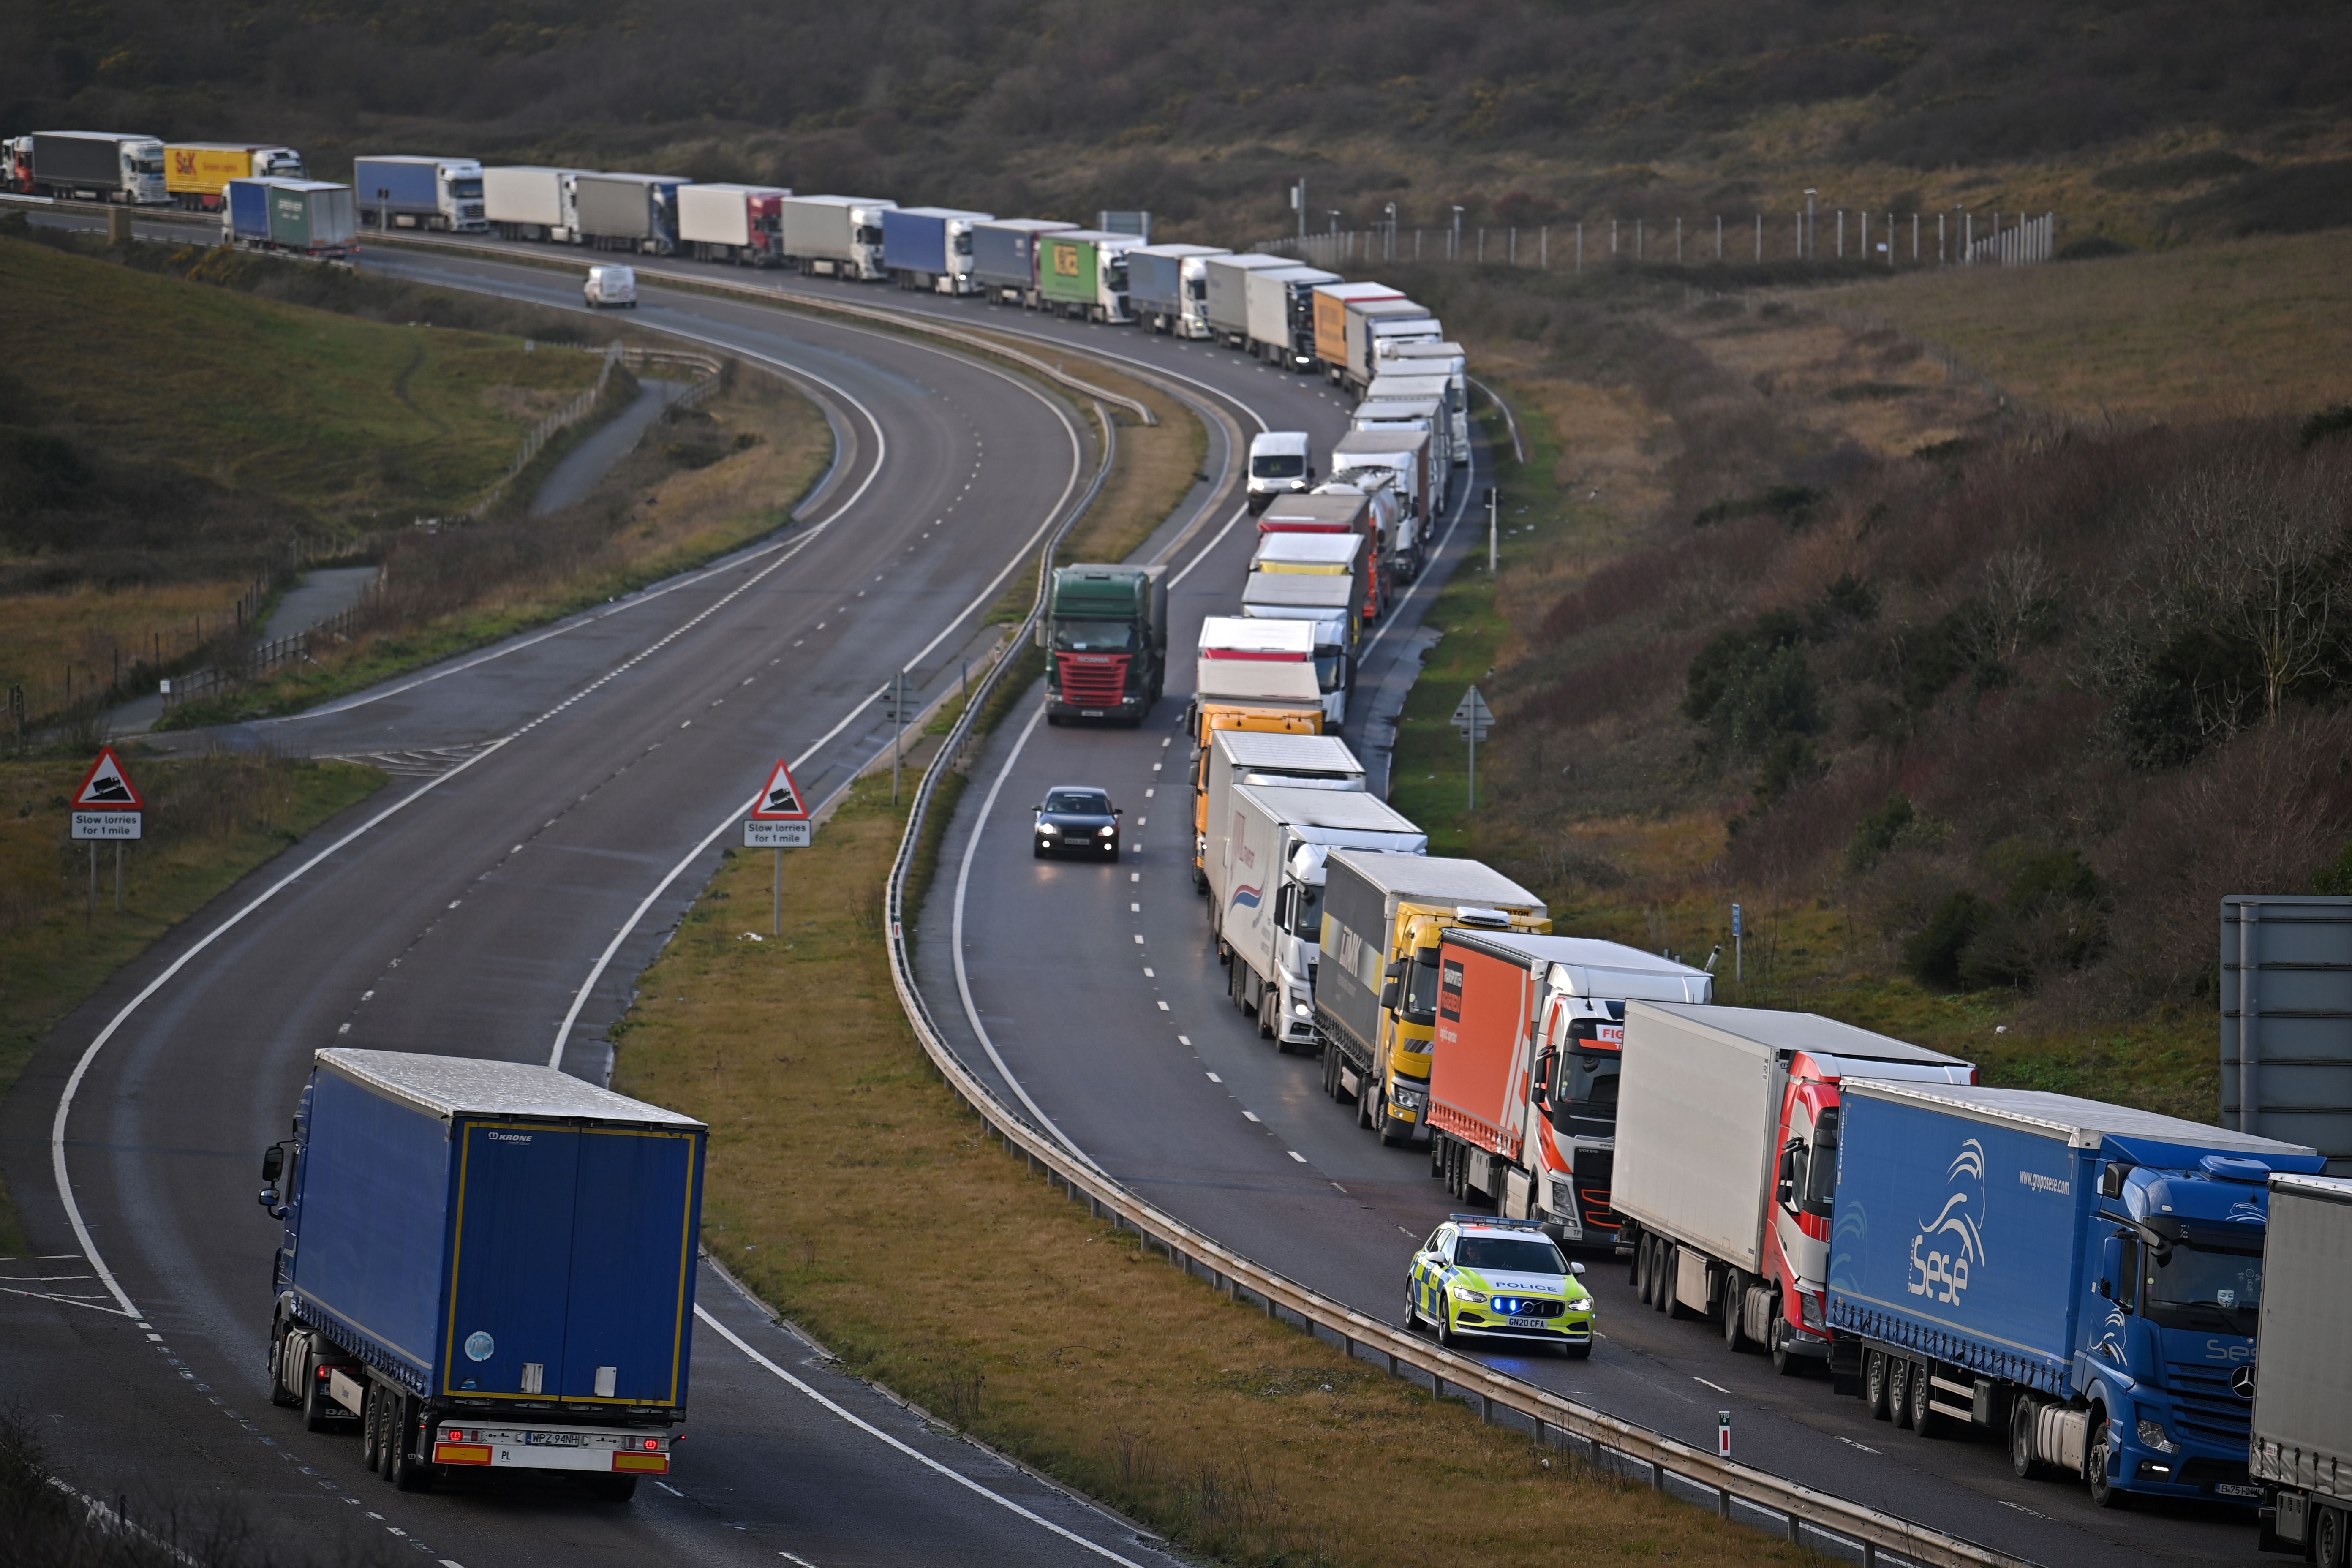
x=1076, y=820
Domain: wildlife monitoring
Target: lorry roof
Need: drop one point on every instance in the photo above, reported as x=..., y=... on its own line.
x=1301, y=275
x=1366, y=290
x=1314, y=506
x=474, y=1086
x=1268, y=749
x=1436, y=878
x=1374, y=441
x=1587, y=966
x=1350, y=810
x=2333, y=1189
x=2085, y=1123
x=1301, y=590
x=1257, y=261
x=1248, y=634
x=1770, y=1029
x=1179, y=252
x=1310, y=549
x=944, y=212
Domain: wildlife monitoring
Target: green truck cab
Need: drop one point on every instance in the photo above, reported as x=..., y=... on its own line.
x=1105, y=639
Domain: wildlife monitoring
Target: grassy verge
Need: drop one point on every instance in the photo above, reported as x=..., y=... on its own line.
x=210, y=820
x=1237, y=1439
x=2261, y=324
x=702, y=483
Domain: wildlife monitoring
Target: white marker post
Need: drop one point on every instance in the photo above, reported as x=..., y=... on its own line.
x=779, y=822
x=108, y=807
x=1474, y=719
x=1723, y=1434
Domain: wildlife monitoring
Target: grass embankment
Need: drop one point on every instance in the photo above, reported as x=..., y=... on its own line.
x=1792, y=616
x=166, y=441
x=209, y=821
x=1067, y=1345
x=704, y=481
x=2255, y=325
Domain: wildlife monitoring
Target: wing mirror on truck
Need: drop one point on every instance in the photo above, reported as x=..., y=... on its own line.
x=1391, y=983
x=273, y=1167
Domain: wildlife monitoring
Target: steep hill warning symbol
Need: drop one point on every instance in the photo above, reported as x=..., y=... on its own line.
x=780, y=801
x=107, y=786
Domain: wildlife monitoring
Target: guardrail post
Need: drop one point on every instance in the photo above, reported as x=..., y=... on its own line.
x=1796, y=1531
x=1723, y=1504
x=1487, y=1408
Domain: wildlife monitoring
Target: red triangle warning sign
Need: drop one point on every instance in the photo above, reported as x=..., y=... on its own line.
x=106, y=788
x=780, y=801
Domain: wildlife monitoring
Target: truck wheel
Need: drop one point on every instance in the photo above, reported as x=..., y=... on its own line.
x=1394, y=1134
x=1874, y=1391
x=1364, y=1104
x=371, y=1455
x=2098, y=1464
x=1664, y=1267
x=1330, y=1073
x=1925, y=1420
x=1898, y=1390
x=2327, y=1538
x=282, y=1392
x=407, y=1473
x=1735, y=1301
x=2022, y=1419
x=613, y=1489
x=1784, y=1363
x=1642, y=1269
x=1577, y=1352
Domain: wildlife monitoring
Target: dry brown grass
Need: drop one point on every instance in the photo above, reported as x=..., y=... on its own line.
x=1052, y=1335
x=90, y=628
x=2249, y=326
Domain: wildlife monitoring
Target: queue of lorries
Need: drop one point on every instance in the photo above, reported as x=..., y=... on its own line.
x=2083, y=1281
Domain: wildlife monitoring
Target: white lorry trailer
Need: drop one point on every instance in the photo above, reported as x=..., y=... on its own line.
x=742, y=224
x=529, y=201
x=1447, y=360
x=2300, y=1453
x=1267, y=858
x=836, y=236
x=1282, y=314
x=1359, y=322
x=1228, y=301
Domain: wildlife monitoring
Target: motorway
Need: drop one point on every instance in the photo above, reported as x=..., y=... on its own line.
x=558, y=801
x=1120, y=1039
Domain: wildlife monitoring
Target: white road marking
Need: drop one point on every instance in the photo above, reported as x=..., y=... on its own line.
x=1717, y=1386
x=1213, y=1077
x=1163, y=1006
x=1252, y=1116
x=1135, y=909
x=1296, y=1155
x=669, y=1489
x=1072, y=1536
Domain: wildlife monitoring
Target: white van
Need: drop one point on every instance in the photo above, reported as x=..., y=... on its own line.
x=612, y=286
x=1281, y=463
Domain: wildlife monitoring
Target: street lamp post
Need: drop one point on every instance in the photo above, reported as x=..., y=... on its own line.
x=1811, y=250
x=1457, y=233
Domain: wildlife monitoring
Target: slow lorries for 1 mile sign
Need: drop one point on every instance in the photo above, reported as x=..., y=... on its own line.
x=781, y=820
x=108, y=806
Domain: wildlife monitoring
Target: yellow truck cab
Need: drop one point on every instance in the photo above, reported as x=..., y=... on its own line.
x=1207, y=717
x=1378, y=985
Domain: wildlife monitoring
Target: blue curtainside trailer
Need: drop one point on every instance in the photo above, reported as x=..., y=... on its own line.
x=485, y=1265
x=2080, y=1279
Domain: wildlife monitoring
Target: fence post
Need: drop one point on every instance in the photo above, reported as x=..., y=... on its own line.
x=1580, y=245
x=1760, y=236
x=1543, y=248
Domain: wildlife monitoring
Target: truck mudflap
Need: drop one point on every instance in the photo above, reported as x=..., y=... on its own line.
x=600, y=1450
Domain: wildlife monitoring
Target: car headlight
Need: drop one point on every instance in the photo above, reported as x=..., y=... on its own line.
x=2152, y=1433
x=1109, y=831
x=1301, y=1009
x=1048, y=827
x=1466, y=1296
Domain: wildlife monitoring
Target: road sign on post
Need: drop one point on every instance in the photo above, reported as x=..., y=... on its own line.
x=779, y=822
x=107, y=806
x=1474, y=719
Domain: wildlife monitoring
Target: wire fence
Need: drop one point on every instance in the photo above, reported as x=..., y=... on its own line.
x=263, y=660
x=1958, y=237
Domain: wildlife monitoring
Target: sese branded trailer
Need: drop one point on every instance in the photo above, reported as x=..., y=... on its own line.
x=2082, y=1278
x=2302, y=1451
x=485, y=1265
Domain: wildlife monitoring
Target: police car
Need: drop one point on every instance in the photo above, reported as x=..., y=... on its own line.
x=1499, y=1279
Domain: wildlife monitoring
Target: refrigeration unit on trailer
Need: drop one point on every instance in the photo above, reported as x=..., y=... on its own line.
x=1426, y=415
x=1406, y=455
x=836, y=236
x=95, y=167
x=408, y=191
x=1523, y=1080
x=742, y=224
x=2083, y=1279
x=1228, y=298
x=1416, y=358
x=197, y=173
x=929, y=249
x=1266, y=854
x=483, y=1266
x=532, y=200
x=1005, y=258
x=1282, y=314
x=1167, y=287
x=1715, y=1106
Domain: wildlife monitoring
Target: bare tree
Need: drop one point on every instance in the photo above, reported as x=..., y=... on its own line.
x=2259, y=554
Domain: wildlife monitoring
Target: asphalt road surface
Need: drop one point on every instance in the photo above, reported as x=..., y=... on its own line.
x=557, y=801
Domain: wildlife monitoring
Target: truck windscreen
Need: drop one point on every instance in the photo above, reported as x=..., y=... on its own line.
x=1330, y=670
x=466, y=190
x=1306, y=915
x=1277, y=466
x=1420, y=988
x=2188, y=1287
x=1094, y=637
